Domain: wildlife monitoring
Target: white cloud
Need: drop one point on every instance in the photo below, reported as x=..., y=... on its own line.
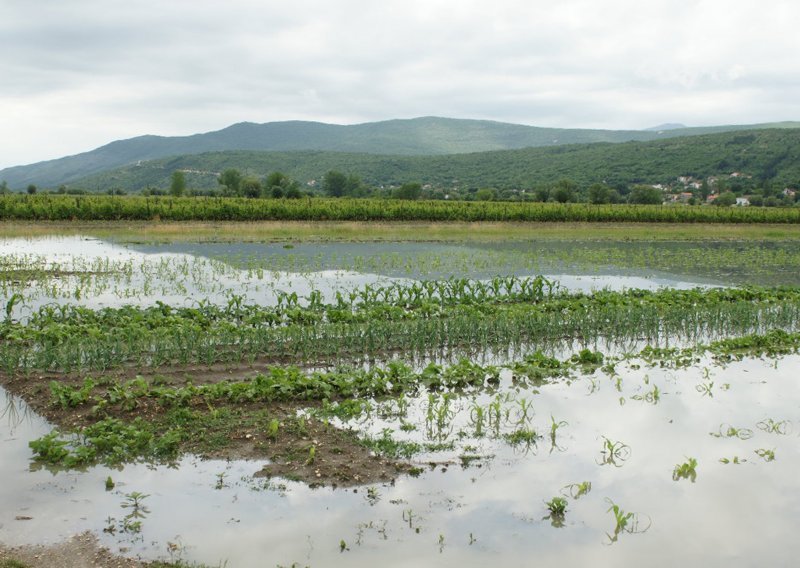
x=75, y=75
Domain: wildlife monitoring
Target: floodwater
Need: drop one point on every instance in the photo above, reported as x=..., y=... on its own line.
x=96, y=273
x=487, y=508
x=488, y=511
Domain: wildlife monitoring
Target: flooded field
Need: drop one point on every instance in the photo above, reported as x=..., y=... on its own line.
x=503, y=402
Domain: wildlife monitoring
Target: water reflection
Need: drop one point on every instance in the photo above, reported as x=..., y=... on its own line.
x=474, y=511
x=90, y=272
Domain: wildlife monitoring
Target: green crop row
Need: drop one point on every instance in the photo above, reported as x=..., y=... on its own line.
x=182, y=408
x=73, y=339
x=109, y=208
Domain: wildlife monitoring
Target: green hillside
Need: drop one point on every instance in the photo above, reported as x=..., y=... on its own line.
x=414, y=137
x=770, y=154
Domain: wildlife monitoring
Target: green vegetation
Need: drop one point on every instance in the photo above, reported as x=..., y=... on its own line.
x=686, y=470
x=114, y=208
x=419, y=136
x=11, y=563
x=199, y=418
x=419, y=318
x=624, y=522
x=769, y=156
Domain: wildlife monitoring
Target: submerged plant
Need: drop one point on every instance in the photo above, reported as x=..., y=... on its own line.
x=614, y=453
x=765, y=454
x=577, y=490
x=771, y=426
x=525, y=437
x=554, y=426
x=686, y=470
x=728, y=431
x=557, y=506
x=624, y=522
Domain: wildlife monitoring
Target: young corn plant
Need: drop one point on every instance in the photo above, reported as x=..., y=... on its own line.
x=686, y=470
x=554, y=426
x=614, y=453
x=624, y=522
x=577, y=490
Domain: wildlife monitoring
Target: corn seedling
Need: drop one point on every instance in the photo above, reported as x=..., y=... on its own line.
x=614, y=453
x=624, y=522
x=705, y=388
x=728, y=431
x=477, y=416
x=577, y=490
x=312, y=453
x=734, y=460
x=686, y=470
x=554, y=426
x=771, y=426
x=652, y=396
x=765, y=454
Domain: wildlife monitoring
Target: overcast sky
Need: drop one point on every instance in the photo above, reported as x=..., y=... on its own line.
x=76, y=74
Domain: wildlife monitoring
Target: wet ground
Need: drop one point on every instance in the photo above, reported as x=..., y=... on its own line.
x=479, y=500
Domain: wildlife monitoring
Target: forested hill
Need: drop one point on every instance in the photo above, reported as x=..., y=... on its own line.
x=417, y=137
x=769, y=154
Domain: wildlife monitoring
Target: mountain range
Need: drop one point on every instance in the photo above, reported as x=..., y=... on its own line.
x=426, y=136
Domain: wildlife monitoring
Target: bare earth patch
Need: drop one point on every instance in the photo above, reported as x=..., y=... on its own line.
x=80, y=551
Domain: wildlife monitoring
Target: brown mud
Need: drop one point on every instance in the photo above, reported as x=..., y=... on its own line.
x=303, y=449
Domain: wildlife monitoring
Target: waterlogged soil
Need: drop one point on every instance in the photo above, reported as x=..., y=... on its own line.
x=484, y=464
x=484, y=499
x=80, y=551
x=339, y=458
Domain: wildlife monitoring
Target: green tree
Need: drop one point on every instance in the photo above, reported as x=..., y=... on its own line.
x=334, y=183
x=704, y=190
x=31, y=189
x=231, y=180
x=646, y=194
x=408, y=191
x=178, y=185
x=563, y=191
x=250, y=187
x=599, y=193
x=355, y=187
x=541, y=193
x=725, y=199
x=278, y=185
x=486, y=194
x=4, y=187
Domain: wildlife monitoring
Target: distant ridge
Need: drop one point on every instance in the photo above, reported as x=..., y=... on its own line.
x=769, y=154
x=666, y=126
x=426, y=136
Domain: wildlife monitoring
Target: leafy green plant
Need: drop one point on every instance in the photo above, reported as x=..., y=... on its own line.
x=765, y=454
x=614, y=453
x=624, y=522
x=686, y=470
x=577, y=490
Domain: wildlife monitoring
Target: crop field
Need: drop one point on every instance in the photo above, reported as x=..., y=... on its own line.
x=430, y=396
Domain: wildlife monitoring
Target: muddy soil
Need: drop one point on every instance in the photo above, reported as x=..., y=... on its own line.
x=80, y=551
x=338, y=459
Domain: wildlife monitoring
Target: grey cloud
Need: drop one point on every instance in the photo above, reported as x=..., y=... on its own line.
x=74, y=75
